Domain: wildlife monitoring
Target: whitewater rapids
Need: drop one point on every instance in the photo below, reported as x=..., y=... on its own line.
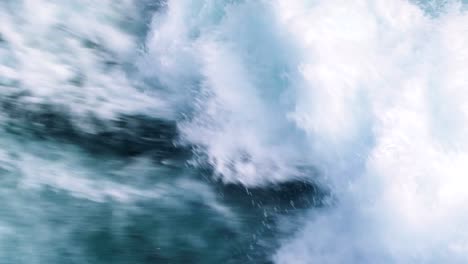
x=365, y=100
x=372, y=94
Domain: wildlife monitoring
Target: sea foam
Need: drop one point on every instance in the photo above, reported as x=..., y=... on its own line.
x=370, y=94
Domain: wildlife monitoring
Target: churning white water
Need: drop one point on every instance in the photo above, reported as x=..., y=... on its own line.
x=368, y=98
x=100, y=101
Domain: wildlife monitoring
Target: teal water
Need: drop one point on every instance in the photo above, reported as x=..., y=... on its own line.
x=90, y=168
x=233, y=131
x=65, y=204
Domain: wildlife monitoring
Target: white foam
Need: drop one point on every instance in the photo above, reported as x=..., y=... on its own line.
x=371, y=93
x=55, y=52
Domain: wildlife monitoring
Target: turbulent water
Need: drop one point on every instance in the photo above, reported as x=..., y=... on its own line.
x=233, y=131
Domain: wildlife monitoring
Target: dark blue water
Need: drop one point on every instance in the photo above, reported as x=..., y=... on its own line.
x=233, y=131
x=81, y=186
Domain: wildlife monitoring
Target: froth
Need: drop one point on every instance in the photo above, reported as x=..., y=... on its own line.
x=72, y=54
x=370, y=93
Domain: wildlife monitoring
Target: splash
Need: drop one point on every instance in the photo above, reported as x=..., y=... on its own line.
x=372, y=95
x=72, y=55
